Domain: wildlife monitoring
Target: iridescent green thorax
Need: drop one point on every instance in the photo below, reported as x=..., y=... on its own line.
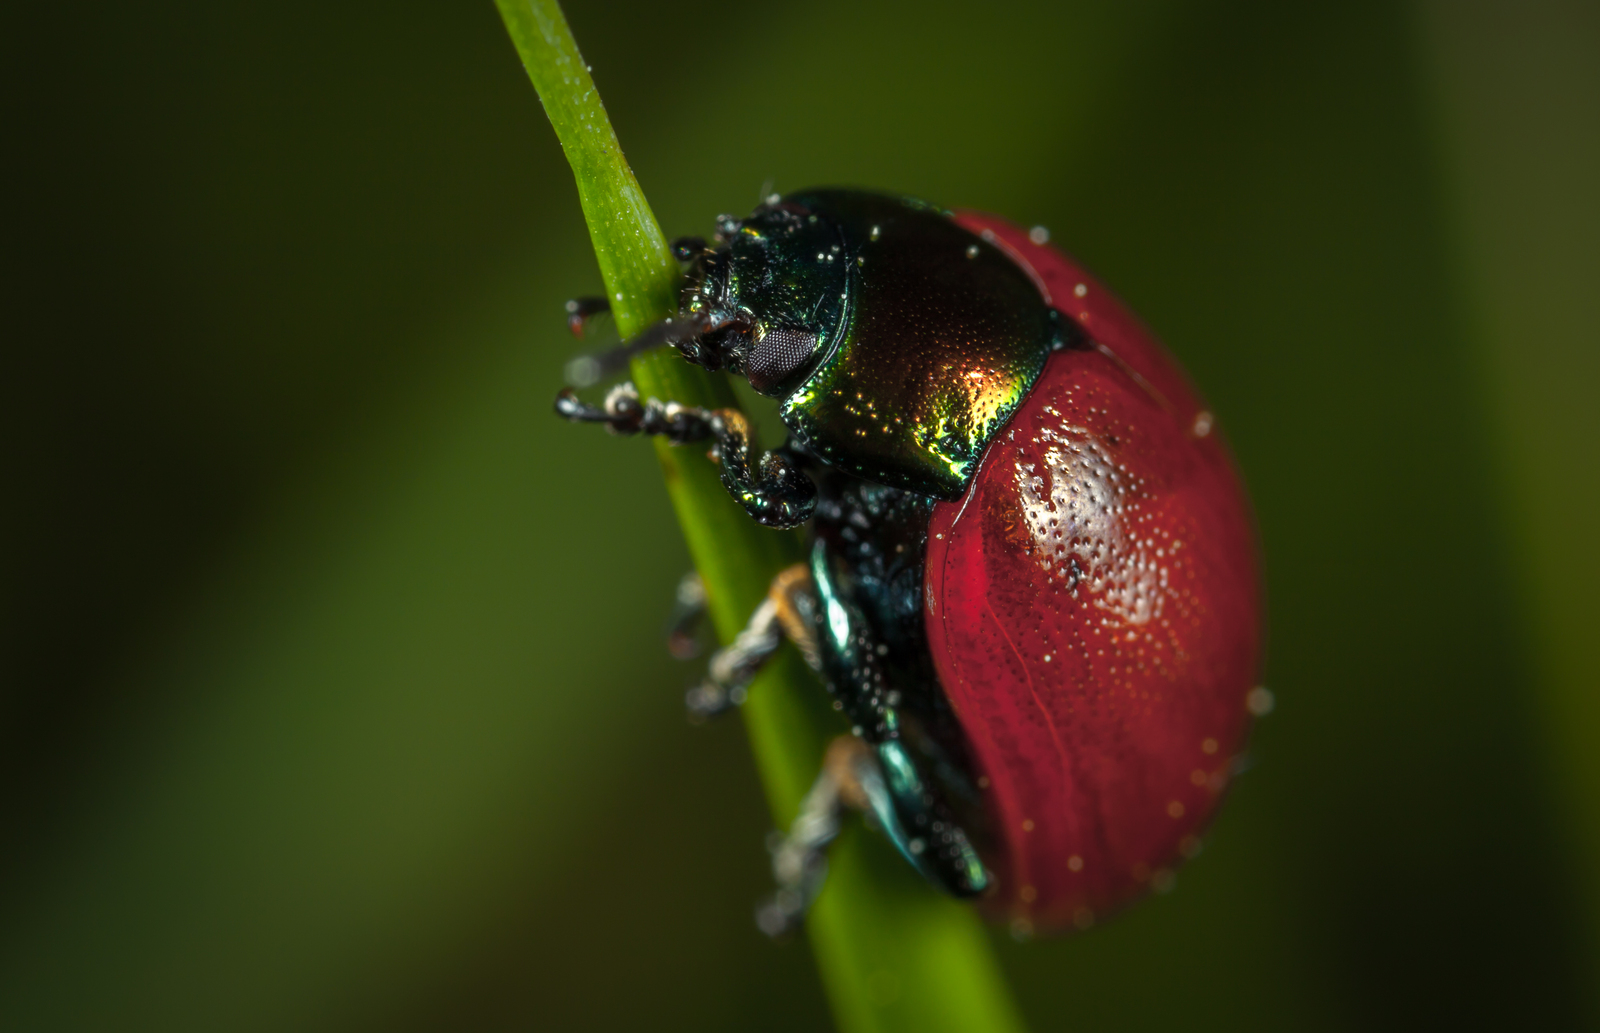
x=930, y=343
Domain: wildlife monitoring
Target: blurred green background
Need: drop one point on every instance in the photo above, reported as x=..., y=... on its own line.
x=334, y=691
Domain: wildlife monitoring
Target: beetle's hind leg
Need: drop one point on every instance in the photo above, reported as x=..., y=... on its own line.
x=912, y=809
x=788, y=612
x=859, y=777
x=800, y=858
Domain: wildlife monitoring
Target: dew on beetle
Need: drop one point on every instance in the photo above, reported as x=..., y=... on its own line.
x=972, y=251
x=1260, y=701
x=1081, y=290
x=1202, y=424
x=1039, y=235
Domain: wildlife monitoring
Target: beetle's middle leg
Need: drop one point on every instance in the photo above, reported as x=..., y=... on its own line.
x=788, y=612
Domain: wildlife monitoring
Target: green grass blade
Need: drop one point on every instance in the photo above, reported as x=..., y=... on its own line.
x=894, y=954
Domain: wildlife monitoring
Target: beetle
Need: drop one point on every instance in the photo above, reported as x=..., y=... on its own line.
x=1031, y=582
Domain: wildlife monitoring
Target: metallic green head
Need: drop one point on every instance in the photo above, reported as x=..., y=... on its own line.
x=898, y=342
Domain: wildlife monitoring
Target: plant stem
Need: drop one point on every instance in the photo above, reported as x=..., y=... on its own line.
x=894, y=954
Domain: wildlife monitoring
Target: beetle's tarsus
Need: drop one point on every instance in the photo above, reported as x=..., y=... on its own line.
x=688, y=612
x=772, y=489
x=785, y=613
x=734, y=666
x=800, y=859
x=581, y=310
x=624, y=413
x=769, y=486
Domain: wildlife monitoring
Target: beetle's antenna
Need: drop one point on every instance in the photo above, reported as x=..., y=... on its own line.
x=588, y=370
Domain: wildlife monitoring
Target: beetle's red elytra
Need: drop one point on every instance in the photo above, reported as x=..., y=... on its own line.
x=1093, y=610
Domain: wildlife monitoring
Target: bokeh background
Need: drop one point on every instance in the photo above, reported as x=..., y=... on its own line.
x=334, y=691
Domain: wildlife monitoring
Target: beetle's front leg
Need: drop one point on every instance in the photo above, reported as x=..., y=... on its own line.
x=769, y=486
x=624, y=413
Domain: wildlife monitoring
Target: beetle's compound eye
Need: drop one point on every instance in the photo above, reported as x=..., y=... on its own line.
x=775, y=354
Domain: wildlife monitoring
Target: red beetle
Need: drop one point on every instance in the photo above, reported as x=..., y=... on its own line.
x=1032, y=583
